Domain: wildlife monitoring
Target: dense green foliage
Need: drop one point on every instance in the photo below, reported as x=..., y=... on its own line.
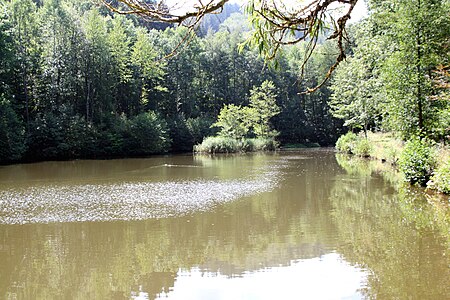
x=147, y=134
x=346, y=143
x=262, y=108
x=78, y=80
x=74, y=77
x=417, y=161
x=396, y=77
x=254, y=120
x=441, y=178
x=12, y=141
x=239, y=125
x=351, y=143
x=363, y=147
x=233, y=121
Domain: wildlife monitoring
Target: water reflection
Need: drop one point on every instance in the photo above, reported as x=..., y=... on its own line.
x=318, y=229
x=302, y=279
x=393, y=230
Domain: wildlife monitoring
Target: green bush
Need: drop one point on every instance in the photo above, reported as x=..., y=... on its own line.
x=264, y=144
x=46, y=138
x=220, y=144
x=417, y=161
x=12, y=133
x=147, y=133
x=80, y=138
x=441, y=178
x=346, y=143
x=182, y=140
x=199, y=128
x=362, y=147
x=110, y=138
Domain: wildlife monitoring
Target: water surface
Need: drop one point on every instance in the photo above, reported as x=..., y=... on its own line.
x=291, y=225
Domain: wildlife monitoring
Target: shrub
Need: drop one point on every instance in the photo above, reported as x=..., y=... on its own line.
x=182, y=140
x=110, y=138
x=147, y=134
x=417, y=161
x=362, y=147
x=346, y=143
x=199, y=128
x=79, y=137
x=218, y=144
x=441, y=178
x=12, y=133
x=264, y=144
x=185, y=133
x=46, y=138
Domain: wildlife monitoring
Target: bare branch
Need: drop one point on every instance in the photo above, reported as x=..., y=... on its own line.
x=159, y=11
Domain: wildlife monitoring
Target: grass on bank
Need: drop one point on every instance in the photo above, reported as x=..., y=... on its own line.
x=420, y=161
x=219, y=144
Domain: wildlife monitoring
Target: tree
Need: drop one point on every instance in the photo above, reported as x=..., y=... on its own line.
x=388, y=81
x=147, y=134
x=79, y=75
x=358, y=92
x=418, y=33
x=25, y=33
x=7, y=54
x=354, y=95
x=121, y=73
x=263, y=107
x=233, y=121
x=149, y=70
x=95, y=67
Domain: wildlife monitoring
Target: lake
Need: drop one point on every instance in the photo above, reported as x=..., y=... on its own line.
x=288, y=225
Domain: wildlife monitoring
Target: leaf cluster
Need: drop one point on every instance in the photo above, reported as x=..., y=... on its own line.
x=417, y=161
x=238, y=122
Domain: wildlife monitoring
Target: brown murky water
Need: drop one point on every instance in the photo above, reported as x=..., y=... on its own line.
x=290, y=225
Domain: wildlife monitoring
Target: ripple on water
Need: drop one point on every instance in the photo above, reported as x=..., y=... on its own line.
x=122, y=201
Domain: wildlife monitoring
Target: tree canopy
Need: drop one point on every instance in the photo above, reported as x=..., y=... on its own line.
x=275, y=22
x=77, y=80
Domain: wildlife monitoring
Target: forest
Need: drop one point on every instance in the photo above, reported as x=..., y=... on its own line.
x=78, y=81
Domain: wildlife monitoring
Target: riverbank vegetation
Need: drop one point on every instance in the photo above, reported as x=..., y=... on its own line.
x=397, y=81
x=420, y=161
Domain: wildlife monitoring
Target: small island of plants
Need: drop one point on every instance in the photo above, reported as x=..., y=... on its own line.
x=245, y=128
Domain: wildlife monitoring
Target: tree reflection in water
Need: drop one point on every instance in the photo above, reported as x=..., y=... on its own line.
x=393, y=230
x=364, y=224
